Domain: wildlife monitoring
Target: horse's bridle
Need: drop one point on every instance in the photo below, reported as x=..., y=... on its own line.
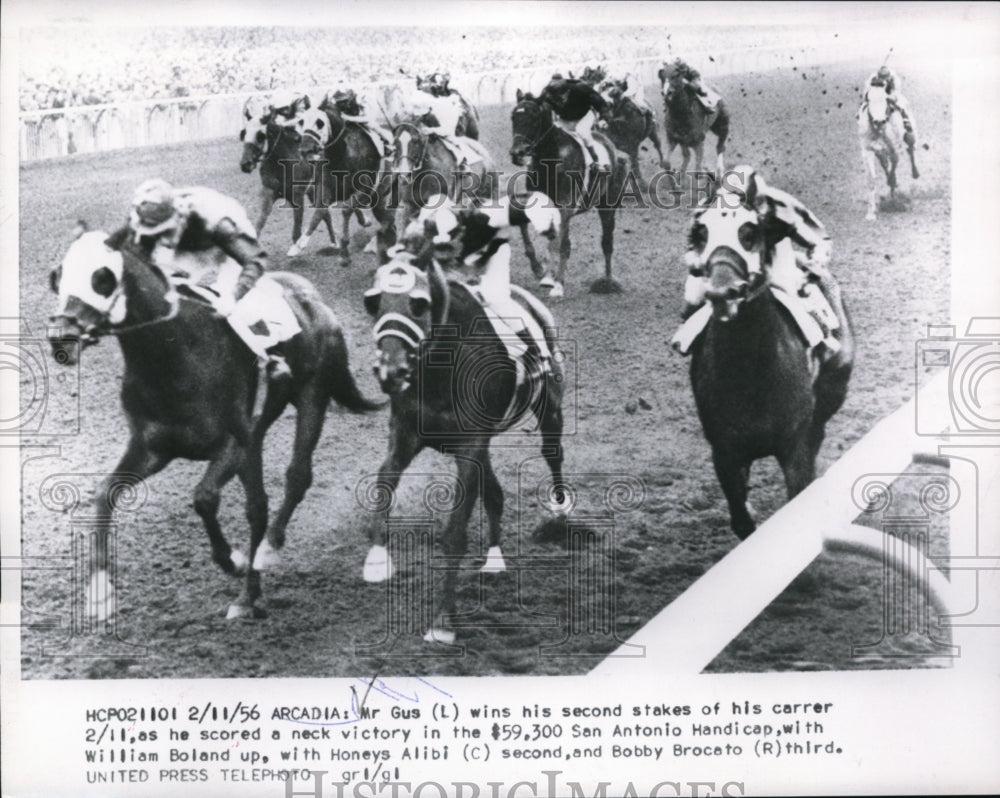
x=91, y=333
x=531, y=143
x=419, y=136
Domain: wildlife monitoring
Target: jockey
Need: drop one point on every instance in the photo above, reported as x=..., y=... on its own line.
x=594, y=74
x=627, y=85
x=285, y=105
x=436, y=84
x=576, y=105
x=165, y=220
x=888, y=79
x=447, y=112
x=472, y=242
x=345, y=100
x=784, y=220
x=692, y=79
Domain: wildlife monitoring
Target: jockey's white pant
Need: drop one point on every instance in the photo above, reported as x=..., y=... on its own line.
x=494, y=287
x=583, y=128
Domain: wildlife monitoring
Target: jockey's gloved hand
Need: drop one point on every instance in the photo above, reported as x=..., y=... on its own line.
x=910, y=137
x=243, y=285
x=225, y=305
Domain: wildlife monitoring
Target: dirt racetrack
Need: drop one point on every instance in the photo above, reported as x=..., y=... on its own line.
x=797, y=126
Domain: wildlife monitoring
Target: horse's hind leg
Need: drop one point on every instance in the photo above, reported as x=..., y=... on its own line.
x=493, y=502
x=301, y=242
x=267, y=198
x=733, y=474
x=135, y=465
x=251, y=473
x=311, y=413
x=345, y=238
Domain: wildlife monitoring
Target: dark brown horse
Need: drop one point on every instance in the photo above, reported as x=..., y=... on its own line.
x=351, y=172
x=453, y=387
x=629, y=126
x=284, y=173
x=189, y=390
x=758, y=393
x=557, y=168
x=687, y=121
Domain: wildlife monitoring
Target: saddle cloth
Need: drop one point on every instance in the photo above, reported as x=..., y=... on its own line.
x=263, y=310
x=465, y=149
x=524, y=312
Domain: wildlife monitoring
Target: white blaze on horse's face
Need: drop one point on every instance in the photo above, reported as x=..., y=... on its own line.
x=314, y=127
x=403, y=162
x=731, y=254
x=92, y=275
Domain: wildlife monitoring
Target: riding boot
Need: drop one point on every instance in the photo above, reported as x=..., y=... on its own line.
x=535, y=364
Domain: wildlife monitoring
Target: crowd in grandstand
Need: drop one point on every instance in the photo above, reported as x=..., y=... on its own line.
x=81, y=65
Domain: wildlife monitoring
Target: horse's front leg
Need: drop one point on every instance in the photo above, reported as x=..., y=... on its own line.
x=345, y=230
x=455, y=543
x=733, y=473
x=221, y=469
x=404, y=445
x=565, y=248
x=538, y=267
x=249, y=463
x=671, y=146
x=607, y=284
x=267, y=199
x=869, y=158
x=136, y=464
x=385, y=235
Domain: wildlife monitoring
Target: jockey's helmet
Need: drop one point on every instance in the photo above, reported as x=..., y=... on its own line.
x=884, y=72
x=153, y=209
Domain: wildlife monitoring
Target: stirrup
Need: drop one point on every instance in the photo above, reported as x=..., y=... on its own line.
x=277, y=367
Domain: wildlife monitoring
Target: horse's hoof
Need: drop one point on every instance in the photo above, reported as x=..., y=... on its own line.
x=870, y=217
x=605, y=285
x=378, y=565
x=436, y=635
x=557, y=291
x=239, y=561
x=546, y=281
x=294, y=251
x=371, y=246
x=344, y=261
x=494, y=562
x=267, y=557
x=100, y=598
x=240, y=609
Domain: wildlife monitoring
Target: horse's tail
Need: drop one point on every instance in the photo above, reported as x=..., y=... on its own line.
x=343, y=387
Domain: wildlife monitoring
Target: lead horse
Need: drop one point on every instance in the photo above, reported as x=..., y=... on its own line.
x=756, y=387
x=189, y=390
x=556, y=166
x=452, y=388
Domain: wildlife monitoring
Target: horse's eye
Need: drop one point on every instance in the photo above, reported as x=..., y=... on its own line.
x=261, y=137
x=243, y=134
x=55, y=277
x=418, y=307
x=749, y=236
x=103, y=281
x=699, y=236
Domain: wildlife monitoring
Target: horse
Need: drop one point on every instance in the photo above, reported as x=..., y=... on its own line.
x=433, y=339
x=630, y=125
x=687, y=121
x=284, y=174
x=424, y=166
x=757, y=392
x=556, y=166
x=189, y=391
x=351, y=172
x=880, y=144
